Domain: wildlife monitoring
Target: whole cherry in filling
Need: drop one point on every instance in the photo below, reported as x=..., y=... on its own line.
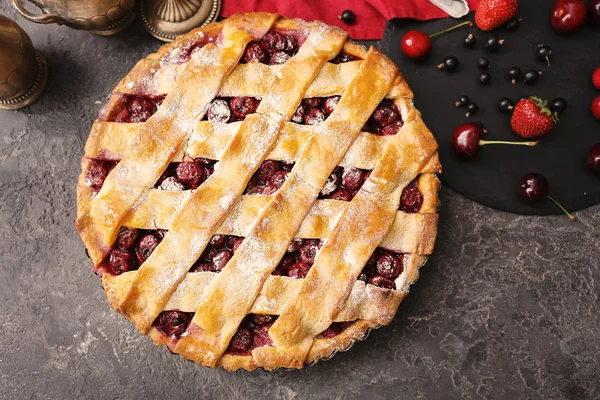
x=136, y=108
x=252, y=333
x=217, y=253
x=268, y=178
x=231, y=109
x=97, y=171
x=343, y=183
x=412, y=198
x=132, y=247
x=173, y=322
x=314, y=110
x=383, y=268
x=186, y=175
x=386, y=120
x=274, y=48
x=298, y=258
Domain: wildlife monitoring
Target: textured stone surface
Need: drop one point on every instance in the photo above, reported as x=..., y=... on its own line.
x=507, y=308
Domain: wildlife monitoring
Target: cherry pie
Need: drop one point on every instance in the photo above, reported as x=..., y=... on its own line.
x=259, y=193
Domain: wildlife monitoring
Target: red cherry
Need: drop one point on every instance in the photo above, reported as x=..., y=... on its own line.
x=534, y=187
x=466, y=140
x=568, y=15
x=596, y=107
x=592, y=160
x=596, y=74
x=416, y=44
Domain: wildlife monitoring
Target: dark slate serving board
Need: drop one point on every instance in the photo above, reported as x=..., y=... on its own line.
x=491, y=179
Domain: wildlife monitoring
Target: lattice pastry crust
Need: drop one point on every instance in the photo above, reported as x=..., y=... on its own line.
x=259, y=193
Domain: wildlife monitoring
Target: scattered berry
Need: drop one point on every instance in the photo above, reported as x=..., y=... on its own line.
x=544, y=52
x=490, y=14
x=466, y=140
x=472, y=108
x=514, y=74
x=596, y=107
x=470, y=41
x=463, y=101
x=483, y=63
x=417, y=44
x=596, y=78
x=531, y=76
x=532, y=119
x=592, y=161
x=506, y=105
x=493, y=44
x=568, y=15
x=513, y=24
x=348, y=17
x=534, y=187
x=558, y=106
x=485, y=78
x=450, y=64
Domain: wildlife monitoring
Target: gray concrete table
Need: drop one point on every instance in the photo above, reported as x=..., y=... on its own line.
x=506, y=308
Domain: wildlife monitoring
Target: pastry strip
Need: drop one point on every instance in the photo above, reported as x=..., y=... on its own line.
x=361, y=228
x=212, y=328
x=161, y=136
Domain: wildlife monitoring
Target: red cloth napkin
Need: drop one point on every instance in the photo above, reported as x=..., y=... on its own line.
x=371, y=15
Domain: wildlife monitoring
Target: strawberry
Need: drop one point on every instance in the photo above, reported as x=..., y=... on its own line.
x=531, y=118
x=490, y=14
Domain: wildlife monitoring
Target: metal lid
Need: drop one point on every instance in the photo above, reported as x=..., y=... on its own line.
x=167, y=19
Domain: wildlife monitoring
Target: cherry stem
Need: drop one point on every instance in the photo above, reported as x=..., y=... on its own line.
x=484, y=142
x=469, y=23
x=571, y=217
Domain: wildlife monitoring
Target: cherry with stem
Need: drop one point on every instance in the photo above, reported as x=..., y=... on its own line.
x=467, y=140
x=417, y=44
x=534, y=187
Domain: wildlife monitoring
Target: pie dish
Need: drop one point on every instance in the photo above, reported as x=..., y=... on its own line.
x=259, y=193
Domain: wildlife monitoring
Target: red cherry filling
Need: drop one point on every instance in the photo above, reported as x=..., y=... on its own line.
x=276, y=47
x=173, y=322
x=298, y=258
x=412, y=198
x=131, y=249
x=269, y=177
x=231, y=109
x=132, y=108
x=386, y=120
x=343, y=57
x=186, y=175
x=96, y=173
x=343, y=183
x=314, y=110
x=217, y=253
x=252, y=333
x=334, y=329
x=182, y=53
x=382, y=269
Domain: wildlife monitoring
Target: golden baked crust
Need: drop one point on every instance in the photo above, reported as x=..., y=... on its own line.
x=351, y=230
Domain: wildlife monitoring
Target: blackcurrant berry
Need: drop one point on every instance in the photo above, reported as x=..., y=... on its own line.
x=543, y=53
x=506, y=105
x=492, y=43
x=531, y=76
x=558, y=105
x=450, y=64
x=463, y=101
x=514, y=74
x=485, y=78
x=348, y=17
x=483, y=63
x=470, y=41
x=472, y=108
